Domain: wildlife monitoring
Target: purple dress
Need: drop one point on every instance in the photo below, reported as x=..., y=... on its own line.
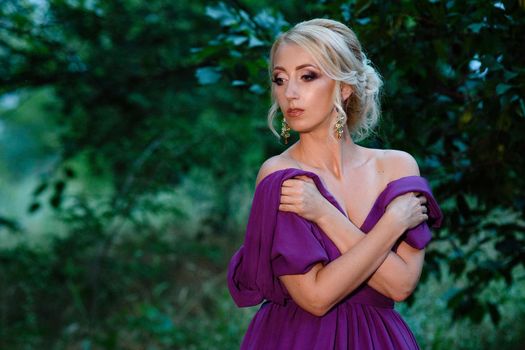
x=282, y=243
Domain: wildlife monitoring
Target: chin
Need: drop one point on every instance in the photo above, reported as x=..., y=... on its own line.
x=303, y=127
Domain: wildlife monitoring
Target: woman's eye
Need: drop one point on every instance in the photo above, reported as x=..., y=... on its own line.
x=309, y=77
x=277, y=80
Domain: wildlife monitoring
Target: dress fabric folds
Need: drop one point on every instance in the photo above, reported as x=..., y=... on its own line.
x=282, y=243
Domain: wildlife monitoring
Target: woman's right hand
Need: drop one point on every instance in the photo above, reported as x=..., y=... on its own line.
x=300, y=195
x=409, y=210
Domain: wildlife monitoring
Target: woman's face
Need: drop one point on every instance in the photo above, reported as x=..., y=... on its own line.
x=303, y=92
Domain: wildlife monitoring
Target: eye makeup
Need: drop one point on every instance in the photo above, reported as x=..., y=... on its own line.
x=277, y=80
x=309, y=76
x=306, y=77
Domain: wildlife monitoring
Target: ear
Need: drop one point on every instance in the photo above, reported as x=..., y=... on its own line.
x=346, y=91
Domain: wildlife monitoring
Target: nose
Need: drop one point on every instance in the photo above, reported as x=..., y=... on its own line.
x=291, y=90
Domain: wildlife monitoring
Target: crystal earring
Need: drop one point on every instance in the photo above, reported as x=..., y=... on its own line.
x=339, y=126
x=285, y=131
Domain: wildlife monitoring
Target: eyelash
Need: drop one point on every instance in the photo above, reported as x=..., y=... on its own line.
x=307, y=77
x=310, y=76
x=277, y=81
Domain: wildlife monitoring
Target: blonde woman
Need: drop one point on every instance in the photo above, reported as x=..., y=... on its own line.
x=337, y=231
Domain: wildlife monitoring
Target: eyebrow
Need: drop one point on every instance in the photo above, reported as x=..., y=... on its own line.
x=296, y=68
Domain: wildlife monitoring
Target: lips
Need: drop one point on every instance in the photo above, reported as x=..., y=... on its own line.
x=294, y=112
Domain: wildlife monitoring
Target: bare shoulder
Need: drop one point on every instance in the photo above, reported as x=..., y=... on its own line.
x=396, y=164
x=273, y=164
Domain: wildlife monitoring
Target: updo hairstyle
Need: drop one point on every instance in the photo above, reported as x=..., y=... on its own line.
x=338, y=53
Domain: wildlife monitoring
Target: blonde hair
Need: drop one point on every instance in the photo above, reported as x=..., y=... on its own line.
x=338, y=53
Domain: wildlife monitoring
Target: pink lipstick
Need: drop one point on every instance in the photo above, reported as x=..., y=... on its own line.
x=294, y=112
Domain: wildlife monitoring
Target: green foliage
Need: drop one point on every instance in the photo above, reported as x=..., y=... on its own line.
x=434, y=327
x=78, y=293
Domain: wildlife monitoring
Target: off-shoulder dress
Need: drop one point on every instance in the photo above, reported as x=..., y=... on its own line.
x=282, y=243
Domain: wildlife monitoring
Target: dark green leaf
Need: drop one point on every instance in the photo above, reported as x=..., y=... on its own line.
x=34, y=207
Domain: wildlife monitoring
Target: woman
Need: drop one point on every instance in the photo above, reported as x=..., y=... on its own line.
x=337, y=231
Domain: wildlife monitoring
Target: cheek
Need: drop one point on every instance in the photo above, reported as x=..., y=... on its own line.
x=278, y=95
x=323, y=94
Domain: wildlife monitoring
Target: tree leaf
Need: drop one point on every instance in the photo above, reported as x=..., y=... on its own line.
x=208, y=75
x=502, y=88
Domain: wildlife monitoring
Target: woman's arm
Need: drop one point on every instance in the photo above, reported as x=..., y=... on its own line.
x=318, y=290
x=399, y=274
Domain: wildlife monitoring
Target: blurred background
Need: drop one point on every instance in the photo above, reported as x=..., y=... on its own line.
x=131, y=133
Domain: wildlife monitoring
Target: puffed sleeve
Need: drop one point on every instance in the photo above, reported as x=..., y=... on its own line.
x=276, y=243
x=419, y=236
x=297, y=246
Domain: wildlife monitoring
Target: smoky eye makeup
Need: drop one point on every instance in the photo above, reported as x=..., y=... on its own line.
x=310, y=75
x=307, y=75
x=277, y=79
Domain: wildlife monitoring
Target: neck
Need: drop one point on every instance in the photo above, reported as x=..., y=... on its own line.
x=326, y=153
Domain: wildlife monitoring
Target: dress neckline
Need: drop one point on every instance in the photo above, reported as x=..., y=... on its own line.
x=324, y=191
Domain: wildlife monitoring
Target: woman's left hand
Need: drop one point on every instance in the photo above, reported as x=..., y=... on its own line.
x=300, y=195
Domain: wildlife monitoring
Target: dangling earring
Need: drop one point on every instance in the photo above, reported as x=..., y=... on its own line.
x=339, y=126
x=285, y=131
